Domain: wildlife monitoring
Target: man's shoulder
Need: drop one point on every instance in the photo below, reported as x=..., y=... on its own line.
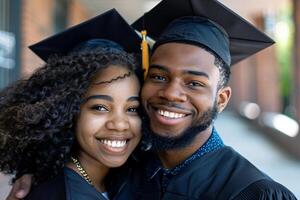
x=49, y=190
x=224, y=171
x=240, y=177
x=265, y=189
x=234, y=168
x=223, y=158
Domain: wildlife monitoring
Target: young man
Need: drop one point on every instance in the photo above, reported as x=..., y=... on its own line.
x=185, y=89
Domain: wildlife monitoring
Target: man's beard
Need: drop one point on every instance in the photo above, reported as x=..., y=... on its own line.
x=155, y=142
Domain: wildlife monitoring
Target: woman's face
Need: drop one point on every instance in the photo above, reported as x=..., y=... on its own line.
x=108, y=126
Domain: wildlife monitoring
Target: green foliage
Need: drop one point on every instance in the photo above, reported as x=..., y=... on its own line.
x=284, y=49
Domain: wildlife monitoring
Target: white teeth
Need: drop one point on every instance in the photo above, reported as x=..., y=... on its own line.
x=114, y=143
x=172, y=115
x=166, y=113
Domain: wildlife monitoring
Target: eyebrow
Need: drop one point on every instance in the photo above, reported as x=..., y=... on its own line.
x=160, y=67
x=196, y=73
x=104, y=97
x=109, y=98
x=134, y=98
x=192, y=72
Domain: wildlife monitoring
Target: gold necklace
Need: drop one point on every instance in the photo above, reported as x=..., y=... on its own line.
x=81, y=170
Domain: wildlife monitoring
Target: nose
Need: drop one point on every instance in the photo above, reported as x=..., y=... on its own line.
x=173, y=91
x=118, y=122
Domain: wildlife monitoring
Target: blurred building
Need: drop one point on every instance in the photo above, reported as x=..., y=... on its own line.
x=10, y=39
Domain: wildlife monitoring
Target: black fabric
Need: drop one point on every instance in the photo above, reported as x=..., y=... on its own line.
x=77, y=188
x=197, y=31
x=109, y=25
x=244, y=38
x=51, y=190
x=55, y=188
x=219, y=175
x=117, y=179
x=265, y=190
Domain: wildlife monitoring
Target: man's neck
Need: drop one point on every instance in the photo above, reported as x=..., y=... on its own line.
x=172, y=158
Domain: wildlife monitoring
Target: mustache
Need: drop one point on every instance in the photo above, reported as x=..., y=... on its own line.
x=168, y=104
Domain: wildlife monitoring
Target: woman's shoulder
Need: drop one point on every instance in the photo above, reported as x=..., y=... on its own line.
x=52, y=189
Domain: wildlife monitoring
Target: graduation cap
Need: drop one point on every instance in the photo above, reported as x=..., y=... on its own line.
x=108, y=30
x=205, y=23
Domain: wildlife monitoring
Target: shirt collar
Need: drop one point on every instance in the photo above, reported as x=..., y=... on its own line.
x=213, y=143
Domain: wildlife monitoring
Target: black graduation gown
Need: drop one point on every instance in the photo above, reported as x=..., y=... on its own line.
x=55, y=189
x=223, y=174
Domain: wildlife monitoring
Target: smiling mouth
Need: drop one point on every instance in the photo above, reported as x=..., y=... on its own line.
x=114, y=143
x=171, y=115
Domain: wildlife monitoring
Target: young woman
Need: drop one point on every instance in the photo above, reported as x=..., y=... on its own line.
x=71, y=121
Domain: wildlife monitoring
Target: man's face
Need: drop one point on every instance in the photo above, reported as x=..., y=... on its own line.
x=180, y=90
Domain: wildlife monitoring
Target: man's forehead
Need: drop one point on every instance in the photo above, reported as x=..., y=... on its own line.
x=182, y=55
x=188, y=70
x=179, y=47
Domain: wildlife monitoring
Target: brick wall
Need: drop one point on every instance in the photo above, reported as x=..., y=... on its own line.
x=78, y=13
x=256, y=79
x=38, y=23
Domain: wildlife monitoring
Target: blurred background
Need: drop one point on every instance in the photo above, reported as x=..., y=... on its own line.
x=262, y=120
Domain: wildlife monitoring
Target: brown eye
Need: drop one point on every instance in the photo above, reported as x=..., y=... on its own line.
x=133, y=109
x=100, y=108
x=195, y=84
x=157, y=77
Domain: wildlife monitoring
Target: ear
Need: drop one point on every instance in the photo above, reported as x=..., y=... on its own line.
x=224, y=95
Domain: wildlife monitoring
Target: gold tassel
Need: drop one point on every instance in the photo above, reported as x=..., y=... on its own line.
x=145, y=53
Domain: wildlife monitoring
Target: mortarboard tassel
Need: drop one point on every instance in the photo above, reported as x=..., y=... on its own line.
x=145, y=53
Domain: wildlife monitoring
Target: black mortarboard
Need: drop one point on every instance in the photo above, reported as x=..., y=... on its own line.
x=108, y=30
x=205, y=23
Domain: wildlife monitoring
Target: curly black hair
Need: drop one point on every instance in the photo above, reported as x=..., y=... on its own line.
x=37, y=114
